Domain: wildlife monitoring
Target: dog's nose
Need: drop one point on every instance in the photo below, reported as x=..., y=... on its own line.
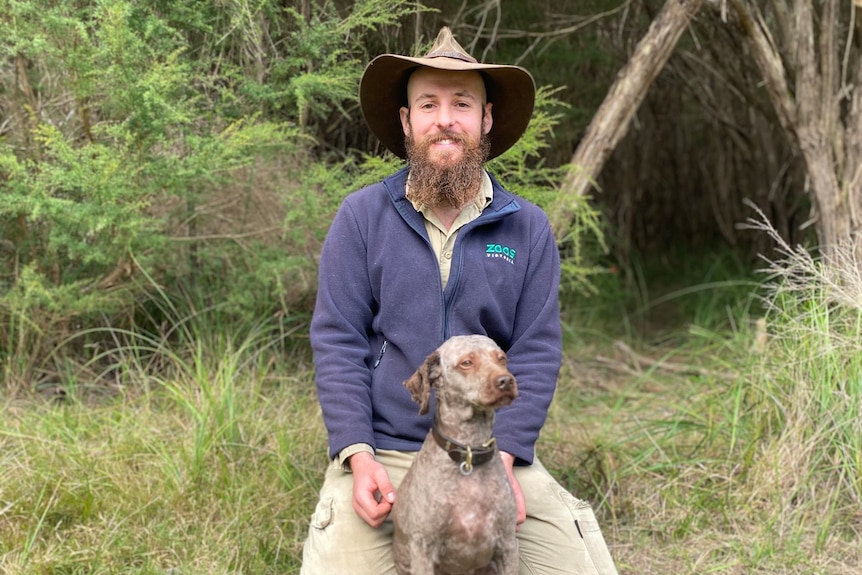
x=505, y=382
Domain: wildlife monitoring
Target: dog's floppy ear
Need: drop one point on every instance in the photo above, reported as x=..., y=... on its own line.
x=420, y=383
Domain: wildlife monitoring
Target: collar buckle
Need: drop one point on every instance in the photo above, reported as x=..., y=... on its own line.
x=466, y=456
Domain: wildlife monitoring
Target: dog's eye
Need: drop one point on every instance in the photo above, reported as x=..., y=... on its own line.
x=467, y=363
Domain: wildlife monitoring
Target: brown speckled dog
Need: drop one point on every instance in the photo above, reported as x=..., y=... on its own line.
x=455, y=511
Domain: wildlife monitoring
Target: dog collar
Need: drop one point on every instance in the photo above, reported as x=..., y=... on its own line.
x=465, y=456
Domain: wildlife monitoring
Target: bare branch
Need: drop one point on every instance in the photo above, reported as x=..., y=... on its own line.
x=768, y=60
x=830, y=67
x=786, y=41
x=613, y=117
x=808, y=77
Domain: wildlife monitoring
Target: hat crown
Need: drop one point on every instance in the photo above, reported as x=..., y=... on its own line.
x=445, y=46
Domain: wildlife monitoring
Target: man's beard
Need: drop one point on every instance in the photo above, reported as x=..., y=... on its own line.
x=444, y=183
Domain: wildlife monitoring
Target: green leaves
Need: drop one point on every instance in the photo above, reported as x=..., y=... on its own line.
x=523, y=171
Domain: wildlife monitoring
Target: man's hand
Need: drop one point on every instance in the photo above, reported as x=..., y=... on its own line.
x=373, y=493
x=509, y=463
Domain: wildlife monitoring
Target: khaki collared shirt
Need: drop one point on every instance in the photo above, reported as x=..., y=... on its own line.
x=443, y=241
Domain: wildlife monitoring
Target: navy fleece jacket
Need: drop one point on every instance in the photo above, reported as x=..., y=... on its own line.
x=381, y=310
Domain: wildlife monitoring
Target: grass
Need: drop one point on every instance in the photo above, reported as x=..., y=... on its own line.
x=208, y=466
x=727, y=442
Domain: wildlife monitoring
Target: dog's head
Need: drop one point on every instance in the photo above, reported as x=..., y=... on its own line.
x=471, y=368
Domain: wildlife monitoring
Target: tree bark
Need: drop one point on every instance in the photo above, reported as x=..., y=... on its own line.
x=829, y=139
x=613, y=117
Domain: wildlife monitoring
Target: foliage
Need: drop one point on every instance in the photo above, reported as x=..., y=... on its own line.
x=321, y=73
x=524, y=171
x=165, y=142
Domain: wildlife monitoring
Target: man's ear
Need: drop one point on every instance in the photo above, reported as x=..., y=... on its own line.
x=404, y=112
x=487, y=118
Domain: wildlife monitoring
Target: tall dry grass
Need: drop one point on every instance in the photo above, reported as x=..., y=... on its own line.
x=733, y=450
x=206, y=464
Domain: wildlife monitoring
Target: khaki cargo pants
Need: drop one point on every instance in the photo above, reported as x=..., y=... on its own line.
x=561, y=535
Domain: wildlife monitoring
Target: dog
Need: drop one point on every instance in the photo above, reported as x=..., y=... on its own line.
x=455, y=511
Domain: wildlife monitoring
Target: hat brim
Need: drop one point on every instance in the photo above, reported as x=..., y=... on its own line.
x=383, y=91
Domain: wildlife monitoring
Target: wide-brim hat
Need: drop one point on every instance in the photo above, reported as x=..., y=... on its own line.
x=383, y=91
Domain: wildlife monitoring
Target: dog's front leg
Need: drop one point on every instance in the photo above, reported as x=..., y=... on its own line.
x=418, y=560
x=508, y=558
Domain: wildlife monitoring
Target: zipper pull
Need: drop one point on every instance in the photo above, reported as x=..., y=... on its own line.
x=380, y=355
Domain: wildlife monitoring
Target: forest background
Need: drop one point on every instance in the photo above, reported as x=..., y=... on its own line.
x=169, y=170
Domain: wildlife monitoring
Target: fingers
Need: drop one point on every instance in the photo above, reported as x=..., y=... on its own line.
x=373, y=493
x=520, y=502
x=370, y=510
x=384, y=486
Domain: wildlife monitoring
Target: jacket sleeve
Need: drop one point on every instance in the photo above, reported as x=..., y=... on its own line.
x=339, y=334
x=535, y=352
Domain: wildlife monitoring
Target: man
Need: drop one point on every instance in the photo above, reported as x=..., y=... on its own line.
x=435, y=250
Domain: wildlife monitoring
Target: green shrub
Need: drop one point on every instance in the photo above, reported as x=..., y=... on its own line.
x=163, y=144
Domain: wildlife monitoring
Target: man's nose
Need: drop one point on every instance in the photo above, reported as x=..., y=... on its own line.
x=444, y=117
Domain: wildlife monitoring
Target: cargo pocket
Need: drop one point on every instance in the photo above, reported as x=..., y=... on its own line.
x=590, y=532
x=322, y=517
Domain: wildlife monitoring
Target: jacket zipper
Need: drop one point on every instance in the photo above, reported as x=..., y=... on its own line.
x=380, y=355
x=446, y=303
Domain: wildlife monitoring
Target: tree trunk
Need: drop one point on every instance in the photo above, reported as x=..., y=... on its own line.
x=613, y=117
x=822, y=110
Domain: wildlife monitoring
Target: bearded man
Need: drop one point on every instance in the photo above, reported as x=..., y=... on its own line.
x=438, y=249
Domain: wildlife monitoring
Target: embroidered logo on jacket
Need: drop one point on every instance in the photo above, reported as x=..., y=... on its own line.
x=500, y=251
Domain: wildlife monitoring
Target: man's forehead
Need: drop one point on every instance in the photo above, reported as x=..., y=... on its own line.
x=430, y=81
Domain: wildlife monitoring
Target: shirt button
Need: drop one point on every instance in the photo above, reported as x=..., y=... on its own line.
x=448, y=255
